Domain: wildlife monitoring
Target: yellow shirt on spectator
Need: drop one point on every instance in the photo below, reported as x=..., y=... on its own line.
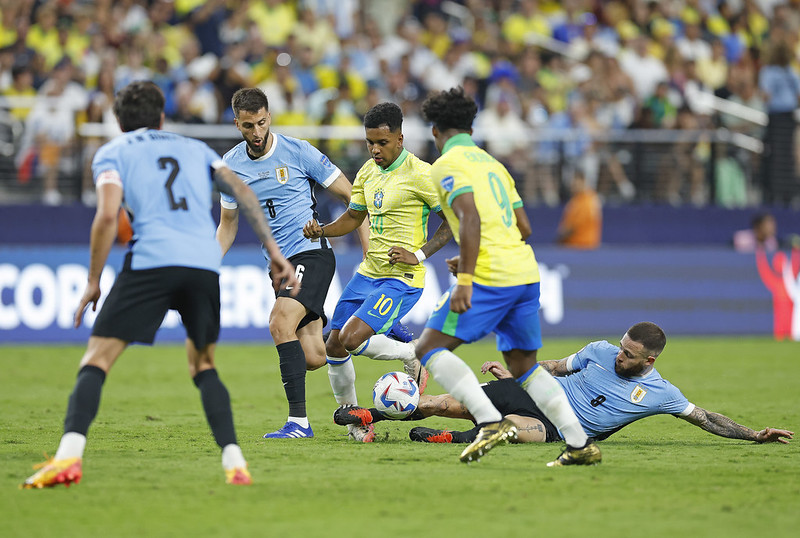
x=399, y=200
x=517, y=27
x=504, y=259
x=274, y=23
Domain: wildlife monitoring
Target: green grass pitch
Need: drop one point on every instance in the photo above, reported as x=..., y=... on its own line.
x=151, y=467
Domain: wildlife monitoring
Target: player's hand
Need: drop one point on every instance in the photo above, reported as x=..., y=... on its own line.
x=399, y=254
x=283, y=273
x=312, y=230
x=496, y=369
x=461, y=299
x=452, y=264
x=90, y=295
x=772, y=435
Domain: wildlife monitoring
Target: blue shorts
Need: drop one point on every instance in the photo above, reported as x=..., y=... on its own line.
x=512, y=312
x=378, y=302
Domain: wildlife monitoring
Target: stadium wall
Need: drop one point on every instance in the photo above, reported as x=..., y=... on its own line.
x=624, y=225
x=688, y=290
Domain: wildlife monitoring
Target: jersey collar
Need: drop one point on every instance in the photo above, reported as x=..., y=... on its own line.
x=461, y=139
x=397, y=162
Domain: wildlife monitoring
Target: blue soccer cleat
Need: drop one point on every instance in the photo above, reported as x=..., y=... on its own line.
x=291, y=430
x=400, y=332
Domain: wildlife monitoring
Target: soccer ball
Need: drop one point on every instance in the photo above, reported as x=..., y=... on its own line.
x=396, y=395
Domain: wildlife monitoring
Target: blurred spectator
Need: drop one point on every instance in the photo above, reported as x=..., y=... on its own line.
x=581, y=222
x=663, y=111
x=50, y=128
x=275, y=20
x=523, y=26
x=761, y=234
x=645, y=70
x=505, y=133
x=691, y=45
x=780, y=85
x=713, y=71
x=21, y=86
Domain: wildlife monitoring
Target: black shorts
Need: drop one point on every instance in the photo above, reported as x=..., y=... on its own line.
x=139, y=300
x=511, y=399
x=315, y=269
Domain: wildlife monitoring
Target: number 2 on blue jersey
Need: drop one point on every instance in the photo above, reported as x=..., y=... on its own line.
x=174, y=205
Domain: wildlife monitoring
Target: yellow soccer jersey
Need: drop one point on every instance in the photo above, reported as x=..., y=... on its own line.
x=399, y=200
x=503, y=259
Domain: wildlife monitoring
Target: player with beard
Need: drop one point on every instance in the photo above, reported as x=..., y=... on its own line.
x=283, y=171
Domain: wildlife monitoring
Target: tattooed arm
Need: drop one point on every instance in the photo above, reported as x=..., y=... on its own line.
x=556, y=368
x=723, y=426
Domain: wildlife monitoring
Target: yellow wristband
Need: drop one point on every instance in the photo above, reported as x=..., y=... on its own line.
x=464, y=279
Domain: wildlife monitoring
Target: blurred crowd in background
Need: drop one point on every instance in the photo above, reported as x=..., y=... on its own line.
x=672, y=101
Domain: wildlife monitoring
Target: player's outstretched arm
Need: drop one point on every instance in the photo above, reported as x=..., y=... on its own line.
x=556, y=368
x=440, y=238
x=343, y=225
x=724, y=427
x=103, y=234
x=341, y=188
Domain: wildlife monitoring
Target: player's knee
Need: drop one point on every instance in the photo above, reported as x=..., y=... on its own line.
x=314, y=361
x=281, y=330
x=333, y=347
x=350, y=341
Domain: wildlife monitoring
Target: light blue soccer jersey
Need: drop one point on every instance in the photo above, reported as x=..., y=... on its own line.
x=604, y=402
x=283, y=180
x=167, y=181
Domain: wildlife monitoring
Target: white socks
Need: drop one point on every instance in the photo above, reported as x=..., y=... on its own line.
x=300, y=421
x=342, y=375
x=71, y=446
x=232, y=457
x=551, y=399
x=382, y=348
x=458, y=379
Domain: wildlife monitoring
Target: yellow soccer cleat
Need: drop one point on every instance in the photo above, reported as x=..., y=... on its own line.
x=490, y=435
x=54, y=472
x=238, y=476
x=589, y=454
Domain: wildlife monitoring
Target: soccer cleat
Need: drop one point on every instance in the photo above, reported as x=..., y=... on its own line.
x=352, y=414
x=589, y=454
x=418, y=373
x=54, y=472
x=291, y=430
x=400, y=332
x=238, y=476
x=489, y=436
x=362, y=434
x=429, y=435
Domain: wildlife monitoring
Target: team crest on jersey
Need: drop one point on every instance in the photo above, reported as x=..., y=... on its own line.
x=282, y=174
x=378, y=200
x=448, y=182
x=637, y=394
x=325, y=161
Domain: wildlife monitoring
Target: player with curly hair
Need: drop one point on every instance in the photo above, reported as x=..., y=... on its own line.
x=497, y=286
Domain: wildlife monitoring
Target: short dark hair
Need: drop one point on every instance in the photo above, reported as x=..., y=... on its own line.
x=250, y=100
x=650, y=336
x=760, y=219
x=139, y=104
x=450, y=109
x=388, y=114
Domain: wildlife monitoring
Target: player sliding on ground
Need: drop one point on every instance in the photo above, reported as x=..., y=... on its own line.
x=166, y=181
x=608, y=386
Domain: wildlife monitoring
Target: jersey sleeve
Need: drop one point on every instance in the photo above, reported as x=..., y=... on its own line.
x=451, y=181
x=105, y=167
x=578, y=361
x=427, y=190
x=317, y=165
x=674, y=402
